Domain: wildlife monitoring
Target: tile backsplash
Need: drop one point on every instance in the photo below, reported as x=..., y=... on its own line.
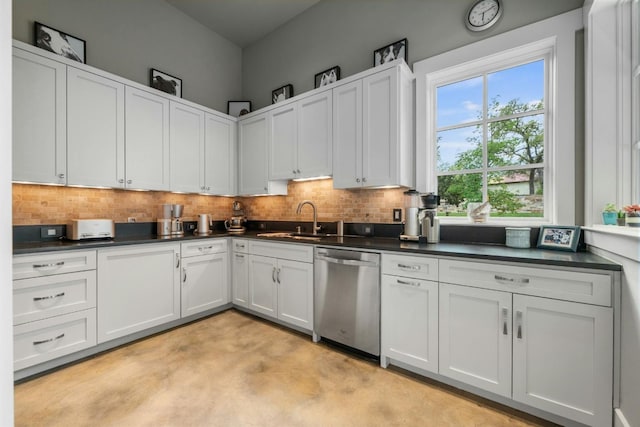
x=42, y=204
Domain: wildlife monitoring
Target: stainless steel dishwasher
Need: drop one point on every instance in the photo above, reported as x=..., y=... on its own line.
x=347, y=298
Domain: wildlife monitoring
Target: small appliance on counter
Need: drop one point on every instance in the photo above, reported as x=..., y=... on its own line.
x=421, y=222
x=81, y=229
x=235, y=223
x=411, y=204
x=204, y=225
x=170, y=221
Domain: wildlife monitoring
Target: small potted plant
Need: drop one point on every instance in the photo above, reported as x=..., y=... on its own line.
x=632, y=213
x=621, y=218
x=609, y=214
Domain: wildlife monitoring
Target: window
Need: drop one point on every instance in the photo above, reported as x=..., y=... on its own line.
x=496, y=121
x=490, y=141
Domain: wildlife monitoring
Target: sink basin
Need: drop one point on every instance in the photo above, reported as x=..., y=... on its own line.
x=295, y=235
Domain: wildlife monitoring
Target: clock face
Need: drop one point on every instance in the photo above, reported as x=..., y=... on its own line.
x=483, y=14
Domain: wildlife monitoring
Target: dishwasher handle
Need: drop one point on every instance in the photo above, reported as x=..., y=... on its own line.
x=349, y=262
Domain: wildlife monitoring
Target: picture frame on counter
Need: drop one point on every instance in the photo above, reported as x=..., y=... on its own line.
x=166, y=83
x=282, y=93
x=327, y=77
x=58, y=42
x=390, y=52
x=238, y=108
x=559, y=237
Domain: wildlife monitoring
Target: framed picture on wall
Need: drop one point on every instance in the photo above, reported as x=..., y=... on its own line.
x=282, y=93
x=390, y=52
x=560, y=237
x=166, y=83
x=238, y=108
x=56, y=41
x=327, y=77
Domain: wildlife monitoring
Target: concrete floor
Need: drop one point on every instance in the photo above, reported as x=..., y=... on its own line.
x=232, y=369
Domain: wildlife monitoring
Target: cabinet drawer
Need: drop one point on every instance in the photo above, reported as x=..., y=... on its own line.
x=410, y=266
x=48, y=263
x=42, y=297
x=203, y=247
x=37, y=342
x=294, y=252
x=569, y=285
x=240, y=245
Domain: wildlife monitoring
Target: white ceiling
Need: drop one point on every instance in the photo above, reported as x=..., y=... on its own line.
x=242, y=21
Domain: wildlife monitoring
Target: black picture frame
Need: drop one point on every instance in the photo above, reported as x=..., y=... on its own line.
x=238, y=108
x=282, y=93
x=390, y=52
x=559, y=237
x=165, y=82
x=60, y=43
x=326, y=77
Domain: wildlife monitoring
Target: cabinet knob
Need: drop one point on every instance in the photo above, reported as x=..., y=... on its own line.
x=298, y=171
x=61, y=175
x=208, y=188
x=129, y=181
x=266, y=189
x=121, y=181
x=357, y=179
x=364, y=179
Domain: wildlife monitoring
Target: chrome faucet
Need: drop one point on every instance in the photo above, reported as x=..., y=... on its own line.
x=315, y=214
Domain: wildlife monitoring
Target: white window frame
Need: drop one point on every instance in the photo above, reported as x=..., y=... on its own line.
x=556, y=37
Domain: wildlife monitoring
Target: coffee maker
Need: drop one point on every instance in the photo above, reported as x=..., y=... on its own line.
x=234, y=224
x=412, y=205
x=429, y=222
x=169, y=222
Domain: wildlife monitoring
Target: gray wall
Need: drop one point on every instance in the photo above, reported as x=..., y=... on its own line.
x=345, y=33
x=128, y=37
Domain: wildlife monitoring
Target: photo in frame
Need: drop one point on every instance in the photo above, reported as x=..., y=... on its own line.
x=559, y=237
x=282, y=93
x=238, y=108
x=390, y=52
x=63, y=44
x=166, y=83
x=327, y=77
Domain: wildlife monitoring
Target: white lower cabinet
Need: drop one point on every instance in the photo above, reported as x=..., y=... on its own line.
x=138, y=288
x=204, y=280
x=281, y=282
x=240, y=272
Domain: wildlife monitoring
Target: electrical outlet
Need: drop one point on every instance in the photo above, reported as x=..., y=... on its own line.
x=131, y=219
x=50, y=232
x=397, y=215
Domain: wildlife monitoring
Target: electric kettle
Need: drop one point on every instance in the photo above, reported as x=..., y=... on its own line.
x=204, y=223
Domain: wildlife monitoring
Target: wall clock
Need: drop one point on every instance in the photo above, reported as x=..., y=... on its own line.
x=483, y=14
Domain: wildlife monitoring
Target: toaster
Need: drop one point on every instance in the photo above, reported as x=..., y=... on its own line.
x=80, y=229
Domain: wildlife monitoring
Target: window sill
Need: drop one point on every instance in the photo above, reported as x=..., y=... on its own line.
x=623, y=241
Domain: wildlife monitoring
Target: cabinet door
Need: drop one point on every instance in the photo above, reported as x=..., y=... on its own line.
x=187, y=148
x=380, y=128
x=475, y=337
x=204, y=283
x=315, y=136
x=138, y=287
x=39, y=119
x=409, y=322
x=146, y=140
x=253, y=142
x=95, y=130
x=295, y=293
x=240, y=279
x=347, y=135
x=219, y=155
x=283, y=143
x=563, y=358
x=263, y=290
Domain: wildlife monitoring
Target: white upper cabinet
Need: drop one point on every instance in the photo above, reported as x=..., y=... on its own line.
x=187, y=148
x=147, y=140
x=39, y=119
x=283, y=142
x=373, y=142
x=219, y=155
x=315, y=136
x=95, y=130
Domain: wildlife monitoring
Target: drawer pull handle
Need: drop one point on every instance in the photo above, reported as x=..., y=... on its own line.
x=61, y=294
x=205, y=248
x=273, y=275
x=278, y=276
x=53, y=264
x=409, y=267
x=239, y=246
x=519, y=281
x=402, y=282
x=184, y=270
x=177, y=260
x=239, y=256
x=519, y=323
x=49, y=340
x=505, y=316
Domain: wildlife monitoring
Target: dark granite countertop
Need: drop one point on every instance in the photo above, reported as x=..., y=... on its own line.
x=488, y=252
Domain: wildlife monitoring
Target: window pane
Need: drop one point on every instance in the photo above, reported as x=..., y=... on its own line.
x=456, y=191
x=516, y=193
x=459, y=102
x=460, y=149
x=516, y=89
x=516, y=141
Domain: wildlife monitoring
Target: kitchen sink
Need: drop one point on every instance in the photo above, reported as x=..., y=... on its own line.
x=296, y=235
